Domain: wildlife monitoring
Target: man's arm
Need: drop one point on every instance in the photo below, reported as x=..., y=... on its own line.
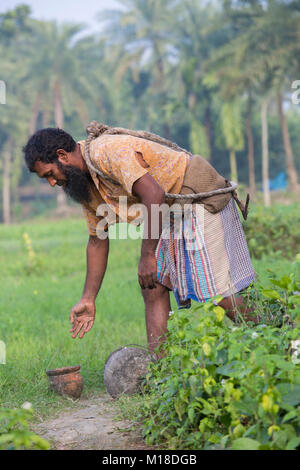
x=83, y=313
x=149, y=192
x=96, y=257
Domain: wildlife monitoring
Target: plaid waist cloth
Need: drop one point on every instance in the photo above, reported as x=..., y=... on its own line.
x=201, y=255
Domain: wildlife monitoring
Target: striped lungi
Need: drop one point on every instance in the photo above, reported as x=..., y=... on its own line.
x=202, y=255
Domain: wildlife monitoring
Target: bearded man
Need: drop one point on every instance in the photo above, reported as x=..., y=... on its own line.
x=117, y=165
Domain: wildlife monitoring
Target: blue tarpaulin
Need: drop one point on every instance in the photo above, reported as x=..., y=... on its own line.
x=279, y=182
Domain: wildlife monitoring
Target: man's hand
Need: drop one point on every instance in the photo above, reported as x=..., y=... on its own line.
x=147, y=271
x=82, y=317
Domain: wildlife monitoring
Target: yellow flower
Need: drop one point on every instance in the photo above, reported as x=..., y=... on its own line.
x=239, y=430
x=219, y=311
x=272, y=429
x=209, y=381
x=275, y=409
x=28, y=244
x=236, y=394
x=267, y=402
x=206, y=349
x=35, y=292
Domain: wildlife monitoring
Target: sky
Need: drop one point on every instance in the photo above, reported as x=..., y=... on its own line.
x=63, y=10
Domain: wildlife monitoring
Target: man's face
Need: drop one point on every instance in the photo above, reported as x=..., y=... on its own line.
x=72, y=179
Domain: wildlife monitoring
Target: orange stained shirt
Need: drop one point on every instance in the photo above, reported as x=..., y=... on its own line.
x=125, y=159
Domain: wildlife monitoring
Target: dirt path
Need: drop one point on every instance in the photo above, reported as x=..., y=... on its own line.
x=92, y=426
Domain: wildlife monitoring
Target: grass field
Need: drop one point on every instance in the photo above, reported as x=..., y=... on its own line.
x=36, y=300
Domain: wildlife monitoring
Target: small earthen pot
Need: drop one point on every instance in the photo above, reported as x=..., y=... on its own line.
x=66, y=381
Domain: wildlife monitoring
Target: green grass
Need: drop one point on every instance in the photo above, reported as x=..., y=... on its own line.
x=35, y=309
x=35, y=304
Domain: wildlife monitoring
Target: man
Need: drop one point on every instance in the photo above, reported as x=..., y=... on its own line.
x=144, y=171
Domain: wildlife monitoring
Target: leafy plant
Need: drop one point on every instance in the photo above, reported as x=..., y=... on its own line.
x=15, y=433
x=33, y=263
x=225, y=386
x=273, y=231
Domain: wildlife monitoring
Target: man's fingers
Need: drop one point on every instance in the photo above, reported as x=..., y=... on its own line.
x=86, y=328
x=74, y=326
x=77, y=327
x=145, y=282
x=89, y=326
x=154, y=280
x=82, y=328
x=141, y=282
x=73, y=315
x=149, y=281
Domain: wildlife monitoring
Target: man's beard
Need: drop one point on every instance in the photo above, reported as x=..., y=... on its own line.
x=77, y=184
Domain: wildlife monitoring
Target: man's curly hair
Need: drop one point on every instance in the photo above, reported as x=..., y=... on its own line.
x=43, y=146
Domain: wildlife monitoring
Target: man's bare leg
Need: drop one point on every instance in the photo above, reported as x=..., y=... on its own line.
x=157, y=305
x=235, y=306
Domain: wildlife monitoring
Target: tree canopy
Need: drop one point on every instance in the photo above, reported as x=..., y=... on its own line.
x=213, y=76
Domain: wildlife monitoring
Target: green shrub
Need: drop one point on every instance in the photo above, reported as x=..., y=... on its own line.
x=15, y=433
x=221, y=386
x=273, y=230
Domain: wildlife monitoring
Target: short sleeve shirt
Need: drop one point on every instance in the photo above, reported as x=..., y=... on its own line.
x=125, y=159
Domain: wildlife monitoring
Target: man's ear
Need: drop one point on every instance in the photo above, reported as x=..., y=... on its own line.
x=62, y=155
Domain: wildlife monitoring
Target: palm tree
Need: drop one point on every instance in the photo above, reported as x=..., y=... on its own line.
x=289, y=154
x=197, y=35
x=141, y=26
x=14, y=30
x=227, y=75
x=13, y=130
x=55, y=78
x=267, y=50
x=232, y=83
x=285, y=54
x=232, y=129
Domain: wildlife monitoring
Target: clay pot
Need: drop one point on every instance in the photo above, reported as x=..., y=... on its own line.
x=66, y=381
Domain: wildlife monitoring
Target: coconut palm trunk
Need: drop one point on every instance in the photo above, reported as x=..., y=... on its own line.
x=46, y=118
x=162, y=79
x=35, y=113
x=208, y=130
x=250, y=139
x=289, y=157
x=233, y=166
x=265, y=151
x=58, y=105
x=59, y=121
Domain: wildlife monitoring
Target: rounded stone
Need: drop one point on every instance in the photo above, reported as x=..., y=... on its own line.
x=124, y=370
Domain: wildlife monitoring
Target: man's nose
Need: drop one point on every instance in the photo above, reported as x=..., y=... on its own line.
x=52, y=181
